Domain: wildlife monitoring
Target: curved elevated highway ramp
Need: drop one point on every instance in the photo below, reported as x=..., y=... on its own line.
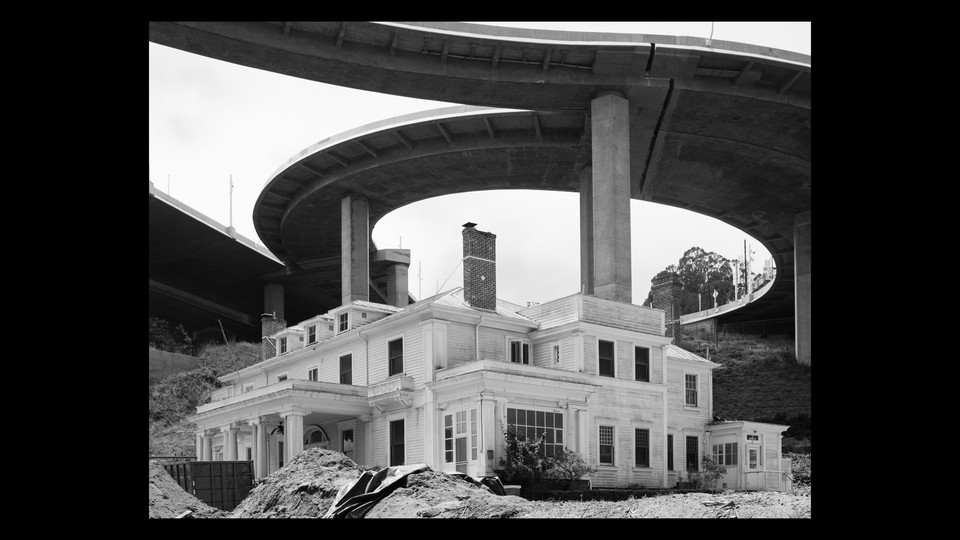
x=718, y=128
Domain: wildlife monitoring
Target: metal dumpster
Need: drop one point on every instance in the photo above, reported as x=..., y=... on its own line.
x=221, y=484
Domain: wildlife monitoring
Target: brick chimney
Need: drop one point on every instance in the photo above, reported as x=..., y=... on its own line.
x=269, y=325
x=479, y=268
x=665, y=291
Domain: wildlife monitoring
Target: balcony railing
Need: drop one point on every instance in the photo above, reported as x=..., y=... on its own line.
x=397, y=384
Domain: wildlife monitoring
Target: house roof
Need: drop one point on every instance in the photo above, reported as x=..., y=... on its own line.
x=454, y=298
x=386, y=308
x=683, y=354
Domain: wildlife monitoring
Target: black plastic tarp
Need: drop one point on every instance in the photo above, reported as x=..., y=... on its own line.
x=356, y=499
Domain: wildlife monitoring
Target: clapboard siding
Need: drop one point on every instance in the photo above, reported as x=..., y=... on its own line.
x=625, y=316
x=568, y=354
x=492, y=344
x=461, y=344
x=627, y=411
x=412, y=355
x=542, y=355
x=415, y=427
x=590, y=354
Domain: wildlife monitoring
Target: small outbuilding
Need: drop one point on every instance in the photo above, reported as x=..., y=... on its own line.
x=751, y=453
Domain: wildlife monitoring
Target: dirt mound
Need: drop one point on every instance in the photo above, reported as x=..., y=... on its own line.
x=432, y=494
x=754, y=504
x=303, y=488
x=169, y=500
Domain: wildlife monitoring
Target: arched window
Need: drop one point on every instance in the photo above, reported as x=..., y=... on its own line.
x=315, y=436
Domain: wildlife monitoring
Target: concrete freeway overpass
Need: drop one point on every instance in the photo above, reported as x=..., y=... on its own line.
x=717, y=128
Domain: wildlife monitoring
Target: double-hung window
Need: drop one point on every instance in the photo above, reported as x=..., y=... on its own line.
x=313, y=374
x=519, y=352
x=606, y=445
x=283, y=345
x=690, y=384
x=312, y=334
x=692, y=462
x=641, y=363
x=396, y=443
x=346, y=369
x=669, y=452
x=606, y=355
x=641, y=447
x=395, y=356
x=344, y=321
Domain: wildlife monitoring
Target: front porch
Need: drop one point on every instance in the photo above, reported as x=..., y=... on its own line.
x=270, y=425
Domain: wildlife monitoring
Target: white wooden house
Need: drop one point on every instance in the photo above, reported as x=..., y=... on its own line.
x=437, y=381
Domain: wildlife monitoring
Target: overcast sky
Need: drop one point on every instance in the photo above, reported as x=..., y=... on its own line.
x=210, y=120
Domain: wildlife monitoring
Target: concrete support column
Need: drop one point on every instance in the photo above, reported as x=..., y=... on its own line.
x=610, y=139
x=397, y=285
x=273, y=299
x=355, y=249
x=801, y=285
x=207, y=447
x=586, y=230
x=292, y=433
x=230, y=442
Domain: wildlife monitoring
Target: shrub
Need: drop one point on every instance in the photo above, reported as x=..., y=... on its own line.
x=525, y=463
x=712, y=472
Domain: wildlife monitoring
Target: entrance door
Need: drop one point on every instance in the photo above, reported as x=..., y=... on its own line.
x=753, y=467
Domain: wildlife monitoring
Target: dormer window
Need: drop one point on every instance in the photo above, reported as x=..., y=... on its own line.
x=283, y=345
x=312, y=334
x=344, y=321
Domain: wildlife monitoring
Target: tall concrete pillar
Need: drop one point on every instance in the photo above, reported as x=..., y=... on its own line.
x=292, y=433
x=207, y=447
x=355, y=249
x=801, y=285
x=230, y=443
x=273, y=299
x=586, y=230
x=610, y=140
x=397, y=285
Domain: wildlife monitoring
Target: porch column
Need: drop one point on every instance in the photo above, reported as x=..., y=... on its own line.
x=292, y=433
x=261, y=444
x=256, y=426
x=229, y=442
x=610, y=141
x=431, y=439
x=488, y=435
x=198, y=449
x=207, y=447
